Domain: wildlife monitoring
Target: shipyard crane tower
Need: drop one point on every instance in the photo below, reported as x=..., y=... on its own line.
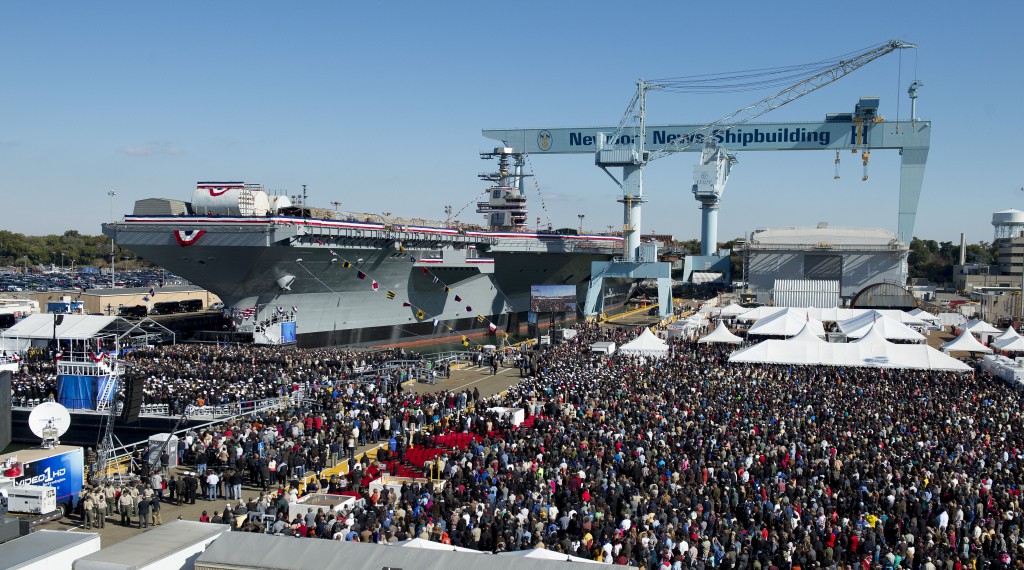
x=626, y=148
x=709, y=178
x=632, y=144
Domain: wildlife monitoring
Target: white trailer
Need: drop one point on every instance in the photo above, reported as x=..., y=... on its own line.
x=48, y=550
x=31, y=499
x=173, y=546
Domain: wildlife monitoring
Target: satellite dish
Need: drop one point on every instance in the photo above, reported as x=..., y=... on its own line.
x=48, y=421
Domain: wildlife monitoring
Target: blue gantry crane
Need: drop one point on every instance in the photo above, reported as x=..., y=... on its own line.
x=632, y=144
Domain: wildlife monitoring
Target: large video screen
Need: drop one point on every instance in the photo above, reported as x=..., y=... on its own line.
x=552, y=298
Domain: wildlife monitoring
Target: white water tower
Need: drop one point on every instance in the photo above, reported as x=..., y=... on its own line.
x=1009, y=224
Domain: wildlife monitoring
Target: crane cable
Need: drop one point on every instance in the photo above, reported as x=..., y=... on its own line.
x=753, y=79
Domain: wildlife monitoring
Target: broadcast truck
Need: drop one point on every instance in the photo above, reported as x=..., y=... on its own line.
x=61, y=467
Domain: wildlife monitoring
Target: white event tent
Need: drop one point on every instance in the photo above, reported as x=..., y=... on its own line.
x=721, y=335
x=545, y=554
x=833, y=314
x=430, y=545
x=1009, y=341
x=872, y=350
x=924, y=315
x=887, y=326
x=759, y=313
x=733, y=310
x=787, y=322
x=1009, y=334
x=689, y=327
x=647, y=344
x=965, y=343
x=978, y=326
x=1012, y=345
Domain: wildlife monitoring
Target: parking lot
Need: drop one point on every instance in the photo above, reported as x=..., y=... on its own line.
x=56, y=279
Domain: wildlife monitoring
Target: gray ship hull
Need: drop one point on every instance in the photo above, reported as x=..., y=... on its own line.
x=430, y=282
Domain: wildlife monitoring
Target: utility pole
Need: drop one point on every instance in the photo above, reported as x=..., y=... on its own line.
x=111, y=193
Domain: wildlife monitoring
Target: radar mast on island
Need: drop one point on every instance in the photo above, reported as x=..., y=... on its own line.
x=505, y=208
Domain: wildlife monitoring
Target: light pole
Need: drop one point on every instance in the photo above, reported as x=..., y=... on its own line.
x=111, y=193
x=581, y=216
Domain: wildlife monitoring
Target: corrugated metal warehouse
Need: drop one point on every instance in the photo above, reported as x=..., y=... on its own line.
x=854, y=257
x=821, y=293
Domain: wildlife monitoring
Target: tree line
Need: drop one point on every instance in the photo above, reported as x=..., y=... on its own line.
x=69, y=248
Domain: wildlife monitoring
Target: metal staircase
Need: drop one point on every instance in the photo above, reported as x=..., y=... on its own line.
x=103, y=399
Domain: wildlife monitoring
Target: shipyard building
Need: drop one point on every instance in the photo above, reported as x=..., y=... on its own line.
x=996, y=288
x=820, y=266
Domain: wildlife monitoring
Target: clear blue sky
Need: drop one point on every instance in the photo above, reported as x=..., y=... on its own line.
x=380, y=104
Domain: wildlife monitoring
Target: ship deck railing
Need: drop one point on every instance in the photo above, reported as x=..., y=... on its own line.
x=453, y=357
x=560, y=246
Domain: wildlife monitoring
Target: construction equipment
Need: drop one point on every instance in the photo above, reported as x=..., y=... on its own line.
x=709, y=178
x=629, y=146
x=627, y=149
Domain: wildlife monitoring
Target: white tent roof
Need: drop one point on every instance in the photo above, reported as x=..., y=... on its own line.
x=1010, y=345
x=647, y=344
x=429, y=545
x=40, y=326
x=923, y=315
x=978, y=326
x=786, y=322
x=545, y=554
x=696, y=319
x=808, y=333
x=872, y=336
x=965, y=343
x=1009, y=334
x=732, y=310
x=759, y=313
x=888, y=327
x=832, y=314
x=722, y=335
x=882, y=354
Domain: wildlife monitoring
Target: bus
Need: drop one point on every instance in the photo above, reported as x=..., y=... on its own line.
x=166, y=308
x=133, y=311
x=192, y=305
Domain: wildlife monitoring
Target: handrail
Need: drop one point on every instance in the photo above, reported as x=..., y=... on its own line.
x=119, y=454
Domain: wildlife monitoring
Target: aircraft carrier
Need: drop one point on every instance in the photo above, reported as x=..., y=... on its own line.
x=288, y=273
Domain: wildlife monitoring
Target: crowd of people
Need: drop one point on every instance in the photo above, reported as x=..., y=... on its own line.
x=683, y=462
x=693, y=462
x=183, y=374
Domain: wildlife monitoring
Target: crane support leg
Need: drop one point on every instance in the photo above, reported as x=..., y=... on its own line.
x=601, y=270
x=911, y=179
x=708, y=227
x=633, y=197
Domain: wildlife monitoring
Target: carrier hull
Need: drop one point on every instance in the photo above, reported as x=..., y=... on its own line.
x=351, y=283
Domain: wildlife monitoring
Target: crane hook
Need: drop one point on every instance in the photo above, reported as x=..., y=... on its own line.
x=865, y=156
x=837, y=165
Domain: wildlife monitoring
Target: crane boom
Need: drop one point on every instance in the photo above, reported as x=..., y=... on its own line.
x=786, y=95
